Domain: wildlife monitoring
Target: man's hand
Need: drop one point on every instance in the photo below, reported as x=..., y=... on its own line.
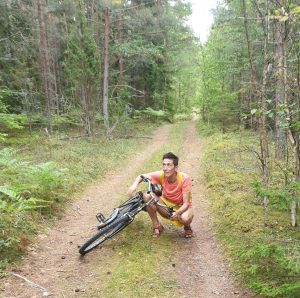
x=133, y=188
x=174, y=216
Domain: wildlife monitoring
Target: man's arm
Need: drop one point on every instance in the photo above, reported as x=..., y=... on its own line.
x=133, y=188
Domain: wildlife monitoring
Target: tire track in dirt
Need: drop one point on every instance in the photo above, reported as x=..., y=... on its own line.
x=201, y=269
x=53, y=261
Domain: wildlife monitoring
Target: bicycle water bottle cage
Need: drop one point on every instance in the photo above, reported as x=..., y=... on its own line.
x=156, y=189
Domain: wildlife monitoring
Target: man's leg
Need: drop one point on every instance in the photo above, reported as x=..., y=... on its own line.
x=152, y=210
x=186, y=219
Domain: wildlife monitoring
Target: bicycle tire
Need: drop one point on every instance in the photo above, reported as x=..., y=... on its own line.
x=106, y=233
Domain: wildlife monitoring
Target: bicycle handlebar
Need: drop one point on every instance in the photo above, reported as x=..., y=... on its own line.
x=146, y=179
x=169, y=208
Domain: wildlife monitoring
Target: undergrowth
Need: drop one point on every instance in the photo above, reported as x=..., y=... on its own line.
x=263, y=247
x=39, y=175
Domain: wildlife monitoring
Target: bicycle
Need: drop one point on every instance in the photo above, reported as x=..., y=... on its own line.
x=122, y=216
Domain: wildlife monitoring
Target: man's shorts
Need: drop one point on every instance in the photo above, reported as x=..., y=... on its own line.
x=175, y=208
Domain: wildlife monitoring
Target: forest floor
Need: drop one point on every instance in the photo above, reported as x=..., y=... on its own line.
x=53, y=265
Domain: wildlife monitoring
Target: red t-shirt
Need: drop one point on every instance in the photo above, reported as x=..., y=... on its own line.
x=173, y=191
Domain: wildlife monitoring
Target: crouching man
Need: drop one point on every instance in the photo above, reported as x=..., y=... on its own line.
x=177, y=187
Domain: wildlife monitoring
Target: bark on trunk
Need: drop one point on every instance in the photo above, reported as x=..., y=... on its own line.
x=293, y=135
x=59, y=104
x=121, y=65
x=263, y=104
x=105, y=71
x=44, y=62
x=253, y=90
x=260, y=91
x=280, y=131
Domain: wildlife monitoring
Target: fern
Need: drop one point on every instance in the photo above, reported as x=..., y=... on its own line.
x=9, y=192
x=7, y=159
x=32, y=204
x=3, y=136
x=17, y=203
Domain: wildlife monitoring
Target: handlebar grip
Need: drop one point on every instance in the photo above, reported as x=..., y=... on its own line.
x=144, y=178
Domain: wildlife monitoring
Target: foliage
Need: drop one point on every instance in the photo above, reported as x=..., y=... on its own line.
x=268, y=262
x=28, y=189
x=279, y=196
x=263, y=248
x=153, y=114
x=12, y=202
x=152, y=42
x=41, y=180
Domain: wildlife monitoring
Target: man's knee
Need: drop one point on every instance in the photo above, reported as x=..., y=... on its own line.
x=186, y=217
x=146, y=197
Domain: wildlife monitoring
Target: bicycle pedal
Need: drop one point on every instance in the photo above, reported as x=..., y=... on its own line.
x=100, y=217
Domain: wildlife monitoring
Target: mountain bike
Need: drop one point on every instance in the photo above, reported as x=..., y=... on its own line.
x=122, y=216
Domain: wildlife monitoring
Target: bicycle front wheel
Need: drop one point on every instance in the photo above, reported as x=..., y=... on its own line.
x=107, y=232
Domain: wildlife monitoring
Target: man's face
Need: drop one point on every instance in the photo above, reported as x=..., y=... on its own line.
x=168, y=167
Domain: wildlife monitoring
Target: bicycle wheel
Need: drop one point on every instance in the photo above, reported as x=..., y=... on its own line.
x=106, y=233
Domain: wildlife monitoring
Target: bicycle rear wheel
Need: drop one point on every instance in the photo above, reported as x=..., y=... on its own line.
x=106, y=233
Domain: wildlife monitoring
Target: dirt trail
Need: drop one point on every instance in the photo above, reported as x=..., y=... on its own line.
x=53, y=261
x=206, y=272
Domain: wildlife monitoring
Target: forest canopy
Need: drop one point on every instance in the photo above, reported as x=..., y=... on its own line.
x=84, y=63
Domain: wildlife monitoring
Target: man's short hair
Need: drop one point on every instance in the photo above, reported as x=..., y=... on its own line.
x=172, y=156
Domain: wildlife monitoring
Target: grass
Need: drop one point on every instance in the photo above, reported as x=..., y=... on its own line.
x=141, y=267
x=264, y=248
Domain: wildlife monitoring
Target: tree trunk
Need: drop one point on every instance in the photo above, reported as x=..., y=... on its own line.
x=58, y=92
x=253, y=91
x=44, y=61
x=121, y=65
x=263, y=104
x=261, y=92
x=280, y=132
x=97, y=39
x=292, y=133
x=105, y=71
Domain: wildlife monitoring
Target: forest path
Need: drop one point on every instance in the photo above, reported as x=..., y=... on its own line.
x=53, y=262
x=206, y=272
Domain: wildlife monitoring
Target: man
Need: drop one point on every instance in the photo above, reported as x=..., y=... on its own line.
x=176, y=188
